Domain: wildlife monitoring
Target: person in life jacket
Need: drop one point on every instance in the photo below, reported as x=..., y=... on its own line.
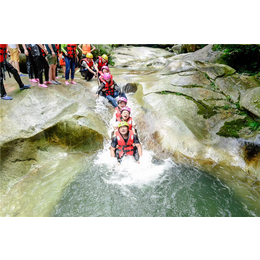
x=125, y=116
x=70, y=52
x=122, y=102
x=39, y=53
x=86, y=48
x=6, y=66
x=87, y=69
x=30, y=64
x=101, y=61
x=110, y=89
x=52, y=60
x=125, y=143
x=104, y=69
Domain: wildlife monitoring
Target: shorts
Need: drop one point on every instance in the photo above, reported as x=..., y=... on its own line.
x=14, y=54
x=51, y=60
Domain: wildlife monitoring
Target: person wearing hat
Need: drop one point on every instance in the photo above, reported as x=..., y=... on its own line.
x=125, y=116
x=87, y=68
x=125, y=143
x=101, y=61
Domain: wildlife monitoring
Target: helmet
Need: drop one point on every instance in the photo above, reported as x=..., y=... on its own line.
x=104, y=56
x=105, y=67
x=127, y=109
x=89, y=55
x=106, y=76
x=123, y=123
x=122, y=99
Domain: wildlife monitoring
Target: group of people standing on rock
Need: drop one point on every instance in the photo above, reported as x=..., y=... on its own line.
x=43, y=58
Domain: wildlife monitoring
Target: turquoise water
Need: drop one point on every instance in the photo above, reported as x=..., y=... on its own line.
x=167, y=190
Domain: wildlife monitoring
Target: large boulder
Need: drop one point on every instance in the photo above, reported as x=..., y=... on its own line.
x=250, y=100
x=137, y=56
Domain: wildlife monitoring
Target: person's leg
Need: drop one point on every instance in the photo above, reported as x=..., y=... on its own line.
x=40, y=68
x=72, y=68
x=123, y=95
x=50, y=73
x=116, y=94
x=46, y=69
x=112, y=100
x=3, y=92
x=17, y=67
x=15, y=74
x=34, y=66
x=29, y=67
x=67, y=72
x=16, y=60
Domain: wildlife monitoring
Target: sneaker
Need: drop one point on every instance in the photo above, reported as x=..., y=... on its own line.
x=33, y=80
x=22, y=75
x=47, y=82
x=66, y=82
x=57, y=77
x=54, y=82
x=57, y=82
x=25, y=87
x=43, y=86
x=5, y=97
x=73, y=82
x=37, y=80
x=63, y=76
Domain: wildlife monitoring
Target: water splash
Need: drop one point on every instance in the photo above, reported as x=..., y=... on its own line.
x=130, y=172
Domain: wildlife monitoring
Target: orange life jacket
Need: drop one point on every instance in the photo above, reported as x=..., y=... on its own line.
x=118, y=113
x=100, y=63
x=125, y=148
x=71, y=50
x=129, y=121
x=62, y=60
x=109, y=90
x=86, y=48
x=89, y=63
x=3, y=49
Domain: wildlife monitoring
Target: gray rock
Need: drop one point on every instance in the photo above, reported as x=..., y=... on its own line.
x=250, y=100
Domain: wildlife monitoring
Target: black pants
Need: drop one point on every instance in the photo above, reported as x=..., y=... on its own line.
x=136, y=155
x=86, y=73
x=42, y=64
x=31, y=67
x=13, y=71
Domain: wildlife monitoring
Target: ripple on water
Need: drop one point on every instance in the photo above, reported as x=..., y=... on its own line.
x=148, y=189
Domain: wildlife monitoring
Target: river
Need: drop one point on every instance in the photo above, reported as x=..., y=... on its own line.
x=73, y=184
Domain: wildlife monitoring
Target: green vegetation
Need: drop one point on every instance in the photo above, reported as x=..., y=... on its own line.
x=244, y=58
x=231, y=129
x=103, y=49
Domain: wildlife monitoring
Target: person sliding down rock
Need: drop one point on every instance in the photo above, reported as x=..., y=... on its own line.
x=125, y=143
x=122, y=102
x=109, y=89
x=125, y=116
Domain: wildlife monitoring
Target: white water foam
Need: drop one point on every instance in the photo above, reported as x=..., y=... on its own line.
x=130, y=172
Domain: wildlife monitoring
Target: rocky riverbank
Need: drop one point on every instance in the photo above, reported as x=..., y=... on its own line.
x=200, y=113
